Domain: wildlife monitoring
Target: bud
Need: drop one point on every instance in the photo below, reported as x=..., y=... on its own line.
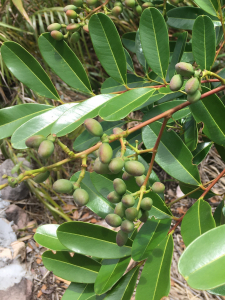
x=195, y=97
x=127, y=226
x=184, y=69
x=116, y=10
x=176, y=82
x=113, y=197
x=113, y=220
x=80, y=197
x=71, y=14
x=93, y=127
x=101, y=168
x=120, y=210
x=46, y=149
x=119, y=186
x=158, y=187
x=130, y=3
x=73, y=27
x=134, y=168
x=54, y=26
x=34, y=141
x=126, y=176
x=78, y=3
x=116, y=165
x=41, y=177
x=140, y=180
x=146, y=203
x=121, y=238
x=57, y=35
x=128, y=201
x=131, y=213
x=192, y=86
x=63, y=186
x=105, y=153
x=69, y=7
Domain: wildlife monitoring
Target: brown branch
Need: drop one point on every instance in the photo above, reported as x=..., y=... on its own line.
x=96, y=9
x=175, y=226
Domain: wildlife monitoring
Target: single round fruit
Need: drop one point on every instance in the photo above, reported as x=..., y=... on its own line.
x=116, y=10
x=117, y=130
x=128, y=201
x=71, y=14
x=75, y=37
x=127, y=226
x=54, y=26
x=100, y=168
x=117, y=3
x=116, y=165
x=93, y=127
x=57, y=35
x=174, y=2
x=63, y=186
x=46, y=149
x=192, y=86
x=144, y=216
x=69, y=7
x=73, y=27
x=184, y=69
x=130, y=3
x=85, y=28
x=134, y=168
x=113, y=197
x=131, y=213
x=120, y=209
x=146, y=203
x=80, y=197
x=176, y=82
x=113, y=220
x=91, y=2
x=195, y=97
x=105, y=153
x=126, y=176
x=121, y=238
x=119, y=186
x=78, y=3
x=139, y=10
x=35, y=141
x=41, y=177
x=147, y=4
x=158, y=187
x=140, y=180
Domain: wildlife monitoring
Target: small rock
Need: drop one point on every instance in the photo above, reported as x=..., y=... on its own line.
x=179, y=192
x=17, y=215
x=20, y=291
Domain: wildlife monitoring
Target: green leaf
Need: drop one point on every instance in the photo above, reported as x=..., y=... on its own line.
x=108, y=46
x=139, y=52
x=78, y=268
x=211, y=111
x=201, y=262
x=93, y=240
x=197, y=221
x=13, y=117
x=221, y=151
x=172, y=155
x=204, y=42
x=155, y=41
x=149, y=236
x=76, y=116
x=41, y=124
x=130, y=65
x=79, y=291
x=187, y=188
x=111, y=271
x=155, y=277
x=120, y=106
x=201, y=151
x=210, y=6
x=191, y=133
x=64, y=63
x=220, y=290
x=128, y=40
x=46, y=236
x=28, y=70
x=218, y=214
x=124, y=289
x=19, y=6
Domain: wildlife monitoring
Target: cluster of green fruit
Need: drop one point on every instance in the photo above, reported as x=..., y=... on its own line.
x=118, y=7
x=192, y=86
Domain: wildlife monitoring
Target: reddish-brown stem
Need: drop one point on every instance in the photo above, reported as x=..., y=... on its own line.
x=177, y=223
x=96, y=9
x=218, y=51
x=210, y=80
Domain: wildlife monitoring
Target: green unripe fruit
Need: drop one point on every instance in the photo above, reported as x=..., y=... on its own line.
x=126, y=176
x=100, y=168
x=116, y=165
x=93, y=127
x=128, y=201
x=192, y=86
x=113, y=220
x=144, y=217
x=54, y=26
x=121, y=238
x=131, y=213
x=158, y=187
x=147, y=4
x=80, y=197
x=73, y=27
x=57, y=35
x=75, y=37
x=127, y=226
x=184, y=69
x=69, y=7
x=41, y=177
x=134, y=168
x=116, y=10
x=120, y=210
x=117, y=130
x=78, y=3
x=174, y=2
x=118, y=4
x=139, y=10
x=46, y=149
x=35, y=141
x=113, y=197
x=63, y=186
x=140, y=180
x=146, y=203
x=71, y=14
x=105, y=153
x=91, y=2
x=119, y=186
x=195, y=97
x=176, y=82
x=130, y=3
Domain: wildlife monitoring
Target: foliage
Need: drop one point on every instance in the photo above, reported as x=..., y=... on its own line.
x=180, y=98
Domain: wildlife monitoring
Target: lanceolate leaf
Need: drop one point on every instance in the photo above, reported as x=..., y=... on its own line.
x=111, y=271
x=197, y=221
x=155, y=41
x=28, y=70
x=19, y=6
x=149, y=236
x=218, y=214
x=41, y=124
x=172, y=155
x=139, y=52
x=155, y=277
x=94, y=240
x=78, y=268
x=204, y=42
x=201, y=262
x=187, y=188
x=210, y=6
x=76, y=116
x=108, y=46
x=64, y=63
x=191, y=133
x=128, y=40
x=201, y=151
x=13, y=117
x=46, y=236
x=79, y=291
x=130, y=65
